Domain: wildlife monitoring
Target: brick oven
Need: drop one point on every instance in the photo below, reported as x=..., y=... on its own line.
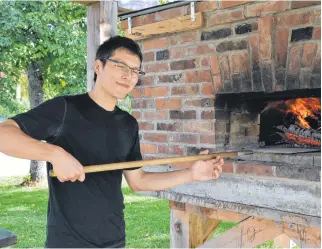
x=240, y=76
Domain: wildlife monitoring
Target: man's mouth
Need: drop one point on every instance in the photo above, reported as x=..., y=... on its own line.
x=123, y=85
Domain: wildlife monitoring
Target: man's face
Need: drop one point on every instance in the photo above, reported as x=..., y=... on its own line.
x=120, y=73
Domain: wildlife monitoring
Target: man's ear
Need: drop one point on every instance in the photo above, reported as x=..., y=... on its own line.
x=97, y=66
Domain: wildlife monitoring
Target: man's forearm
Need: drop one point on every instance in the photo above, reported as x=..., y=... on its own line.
x=153, y=181
x=16, y=143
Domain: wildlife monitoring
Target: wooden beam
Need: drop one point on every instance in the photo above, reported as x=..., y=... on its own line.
x=248, y=234
x=101, y=24
x=179, y=229
x=181, y=23
x=282, y=241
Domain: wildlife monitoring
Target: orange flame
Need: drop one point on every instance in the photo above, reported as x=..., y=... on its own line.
x=300, y=140
x=303, y=108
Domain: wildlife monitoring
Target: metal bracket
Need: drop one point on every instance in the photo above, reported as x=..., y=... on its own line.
x=192, y=7
x=129, y=24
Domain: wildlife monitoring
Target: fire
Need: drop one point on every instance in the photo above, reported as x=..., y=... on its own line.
x=299, y=140
x=303, y=108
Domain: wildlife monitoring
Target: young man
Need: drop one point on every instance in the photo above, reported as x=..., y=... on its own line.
x=89, y=129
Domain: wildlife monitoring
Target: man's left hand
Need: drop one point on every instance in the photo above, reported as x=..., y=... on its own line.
x=207, y=170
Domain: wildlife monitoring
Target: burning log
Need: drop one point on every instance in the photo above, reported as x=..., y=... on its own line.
x=300, y=136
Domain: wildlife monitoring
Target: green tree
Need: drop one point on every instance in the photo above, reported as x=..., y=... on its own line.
x=47, y=41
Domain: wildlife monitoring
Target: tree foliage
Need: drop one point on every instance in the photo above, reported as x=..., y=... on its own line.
x=53, y=33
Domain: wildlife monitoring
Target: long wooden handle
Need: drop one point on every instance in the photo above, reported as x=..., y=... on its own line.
x=152, y=162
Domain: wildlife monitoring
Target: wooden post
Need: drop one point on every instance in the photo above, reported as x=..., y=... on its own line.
x=101, y=25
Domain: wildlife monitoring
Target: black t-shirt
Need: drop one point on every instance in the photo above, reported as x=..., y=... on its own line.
x=89, y=213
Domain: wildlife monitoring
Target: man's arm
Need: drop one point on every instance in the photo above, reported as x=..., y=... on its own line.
x=14, y=142
x=139, y=180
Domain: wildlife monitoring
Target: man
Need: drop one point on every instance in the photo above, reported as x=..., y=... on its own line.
x=90, y=129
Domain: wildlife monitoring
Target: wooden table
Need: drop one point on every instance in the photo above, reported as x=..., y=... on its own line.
x=7, y=238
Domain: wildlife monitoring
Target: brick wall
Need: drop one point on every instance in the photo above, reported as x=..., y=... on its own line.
x=244, y=46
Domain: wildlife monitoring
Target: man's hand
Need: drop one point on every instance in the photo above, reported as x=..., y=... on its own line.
x=67, y=167
x=207, y=170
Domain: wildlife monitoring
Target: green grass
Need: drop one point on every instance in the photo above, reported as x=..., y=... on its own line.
x=23, y=212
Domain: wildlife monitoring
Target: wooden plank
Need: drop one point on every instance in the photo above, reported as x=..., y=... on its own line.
x=181, y=23
x=248, y=234
x=195, y=231
x=93, y=34
x=209, y=228
x=282, y=241
x=305, y=237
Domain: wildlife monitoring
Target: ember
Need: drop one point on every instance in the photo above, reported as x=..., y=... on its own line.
x=301, y=121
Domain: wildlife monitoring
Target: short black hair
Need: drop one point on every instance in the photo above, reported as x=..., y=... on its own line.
x=107, y=49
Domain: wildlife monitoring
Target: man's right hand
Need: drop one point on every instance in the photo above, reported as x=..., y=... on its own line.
x=67, y=167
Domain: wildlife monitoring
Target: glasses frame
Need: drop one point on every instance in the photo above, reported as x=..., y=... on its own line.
x=140, y=73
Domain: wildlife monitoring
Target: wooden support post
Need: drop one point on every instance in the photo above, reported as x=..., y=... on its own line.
x=101, y=24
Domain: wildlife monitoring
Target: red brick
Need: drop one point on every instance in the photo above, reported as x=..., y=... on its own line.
x=155, y=115
x=170, y=13
x=198, y=127
x=204, y=62
x=228, y=167
x=182, y=64
x=124, y=24
x=170, y=104
x=294, y=19
x=153, y=68
x=316, y=18
x=175, y=53
x=148, y=56
x=142, y=20
x=148, y=148
x=253, y=42
x=176, y=150
x=224, y=67
x=281, y=44
x=254, y=169
x=205, y=6
x=185, y=90
x=244, y=63
x=198, y=76
x=136, y=93
x=265, y=25
x=225, y=17
x=316, y=33
x=155, y=44
x=207, y=115
x=200, y=50
x=183, y=38
x=163, y=149
x=184, y=138
x=214, y=65
x=169, y=126
x=137, y=115
x=208, y=89
x=147, y=80
x=235, y=63
x=146, y=126
x=228, y=4
x=155, y=137
x=308, y=54
x=217, y=83
x=207, y=139
x=301, y=4
x=155, y=91
x=193, y=102
x=264, y=8
x=317, y=60
x=169, y=78
x=176, y=114
x=294, y=64
x=139, y=103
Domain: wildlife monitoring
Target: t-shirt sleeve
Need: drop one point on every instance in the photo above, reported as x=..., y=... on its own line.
x=45, y=121
x=135, y=153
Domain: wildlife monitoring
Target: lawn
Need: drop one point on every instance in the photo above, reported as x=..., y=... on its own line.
x=23, y=212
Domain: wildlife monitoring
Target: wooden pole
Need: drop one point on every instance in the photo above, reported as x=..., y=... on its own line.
x=152, y=162
x=101, y=25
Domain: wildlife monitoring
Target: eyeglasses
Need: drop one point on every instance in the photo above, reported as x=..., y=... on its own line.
x=126, y=69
